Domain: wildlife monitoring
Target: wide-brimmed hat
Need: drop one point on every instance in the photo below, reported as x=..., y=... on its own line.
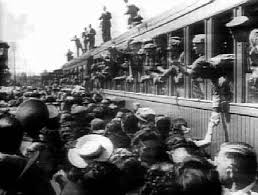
x=237, y=22
x=145, y=114
x=90, y=148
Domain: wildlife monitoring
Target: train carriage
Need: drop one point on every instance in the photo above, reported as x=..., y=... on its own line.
x=185, y=96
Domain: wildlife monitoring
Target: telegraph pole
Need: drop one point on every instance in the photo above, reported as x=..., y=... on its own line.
x=14, y=66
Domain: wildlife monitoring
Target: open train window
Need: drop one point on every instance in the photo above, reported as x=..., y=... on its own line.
x=175, y=52
x=223, y=40
x=223, y=43
x=161, y=60
x=198, y=85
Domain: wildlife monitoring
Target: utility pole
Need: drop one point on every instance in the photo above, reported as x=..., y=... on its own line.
x=14, y=63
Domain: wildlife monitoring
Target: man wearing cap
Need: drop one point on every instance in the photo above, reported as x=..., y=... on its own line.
x=201, y=68
x=150, y=68
x=176, y=60
x=237, y=167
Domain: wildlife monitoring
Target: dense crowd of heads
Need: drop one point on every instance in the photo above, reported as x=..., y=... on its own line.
x=87, y=143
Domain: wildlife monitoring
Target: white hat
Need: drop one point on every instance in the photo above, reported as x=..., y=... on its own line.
x=145, y=114
x=90, y=148
x=199, y=38
x=238, y=21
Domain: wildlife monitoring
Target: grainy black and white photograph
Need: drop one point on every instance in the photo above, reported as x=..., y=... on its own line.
x=128, y=97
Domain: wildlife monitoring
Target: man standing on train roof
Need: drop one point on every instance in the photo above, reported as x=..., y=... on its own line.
x=69, y=55
x=85, y=37
x=77, y=44
x=105, y=24
x=132, y=10
x=91, y=35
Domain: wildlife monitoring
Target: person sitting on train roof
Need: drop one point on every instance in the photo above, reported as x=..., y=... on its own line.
x=237, y=166
x=132, y=11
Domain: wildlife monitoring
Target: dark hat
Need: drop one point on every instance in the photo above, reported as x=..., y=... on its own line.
x=178, y=122
x=97, y=124
x=33, y=115
x=238, y=22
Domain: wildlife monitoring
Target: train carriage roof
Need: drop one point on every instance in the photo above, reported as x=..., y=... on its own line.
x=173, y=19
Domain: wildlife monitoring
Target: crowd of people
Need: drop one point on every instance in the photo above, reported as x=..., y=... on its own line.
x=56, y=140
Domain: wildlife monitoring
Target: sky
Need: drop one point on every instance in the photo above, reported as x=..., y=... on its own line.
x=39, y=31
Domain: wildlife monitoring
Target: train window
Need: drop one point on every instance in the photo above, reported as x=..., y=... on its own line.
x=251, y=12
x=161, y=64
x=175, y=60
x=198, y=84
x=223, y=44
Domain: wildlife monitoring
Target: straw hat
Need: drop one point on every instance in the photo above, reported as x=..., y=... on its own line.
x=90, y=148
x=237, y=22
x=52, y=110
